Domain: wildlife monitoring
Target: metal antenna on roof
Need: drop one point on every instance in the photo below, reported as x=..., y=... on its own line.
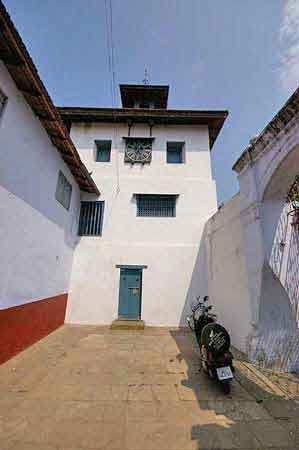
x=146, y=77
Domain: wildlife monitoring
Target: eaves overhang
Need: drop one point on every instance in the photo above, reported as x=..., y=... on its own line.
x=213, y=119
x=19, y=64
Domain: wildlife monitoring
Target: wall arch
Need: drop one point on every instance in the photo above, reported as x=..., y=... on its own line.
x=275, y=192
x=278, y=306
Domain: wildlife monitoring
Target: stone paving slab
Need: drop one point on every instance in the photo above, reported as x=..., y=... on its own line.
x=90, y=388
x=288, y=382
x=281, y=409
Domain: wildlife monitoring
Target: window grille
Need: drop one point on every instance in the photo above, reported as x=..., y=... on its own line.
x=91, y=218
x=103, y=151
x=175, y=152
x=156, y=205
x=63, y=191
x=138, y=150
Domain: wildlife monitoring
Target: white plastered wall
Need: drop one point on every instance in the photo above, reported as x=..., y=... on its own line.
x=228, y=279
x=37, y=235
x=169, y=247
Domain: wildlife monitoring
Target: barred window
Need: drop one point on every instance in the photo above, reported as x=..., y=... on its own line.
x=91, y=218
x=156, y=205
x=63, y=191
x=103, y=151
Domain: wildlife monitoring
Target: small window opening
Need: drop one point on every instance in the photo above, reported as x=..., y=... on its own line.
x=103, y=151
x=91, y=218
x=63, y=191
x=175, y=152
x=156, y=205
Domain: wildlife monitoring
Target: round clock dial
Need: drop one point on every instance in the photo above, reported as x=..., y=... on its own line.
x=138, y=151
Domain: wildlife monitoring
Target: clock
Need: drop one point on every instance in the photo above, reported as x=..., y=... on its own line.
x=138, y=150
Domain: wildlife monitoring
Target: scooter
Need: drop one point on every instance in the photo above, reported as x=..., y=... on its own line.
x=214, y=343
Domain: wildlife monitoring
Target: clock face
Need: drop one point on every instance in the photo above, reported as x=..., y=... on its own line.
x=138, y=151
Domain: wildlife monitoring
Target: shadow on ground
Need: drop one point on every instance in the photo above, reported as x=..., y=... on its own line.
x=255, y=415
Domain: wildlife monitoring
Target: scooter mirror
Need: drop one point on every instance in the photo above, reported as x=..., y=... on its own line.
x=206, y=298
x=194, y=307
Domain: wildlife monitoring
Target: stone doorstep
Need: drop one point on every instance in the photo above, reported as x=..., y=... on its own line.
x=119, y=324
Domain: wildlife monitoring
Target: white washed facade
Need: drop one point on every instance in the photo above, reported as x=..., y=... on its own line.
x=167, y=246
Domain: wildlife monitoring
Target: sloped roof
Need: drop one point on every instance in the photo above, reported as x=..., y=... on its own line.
x=18, y=62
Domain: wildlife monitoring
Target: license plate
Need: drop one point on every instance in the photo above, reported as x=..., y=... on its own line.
x=224, y=373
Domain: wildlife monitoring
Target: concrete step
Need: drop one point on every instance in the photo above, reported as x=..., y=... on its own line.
x=127, y=325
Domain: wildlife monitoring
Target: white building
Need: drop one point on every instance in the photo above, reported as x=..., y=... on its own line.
x=153, y=239
x=138, y=256
x=41, y=179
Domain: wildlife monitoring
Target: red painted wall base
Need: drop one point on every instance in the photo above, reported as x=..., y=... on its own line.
x=22, y=326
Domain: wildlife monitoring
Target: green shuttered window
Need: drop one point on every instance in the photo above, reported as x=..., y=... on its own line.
x=156, y=205
x=63, y=191
x=175, y=152
x=91, y=218
x=103, y=151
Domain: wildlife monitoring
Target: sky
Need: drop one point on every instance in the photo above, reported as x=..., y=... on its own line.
x=239, y=55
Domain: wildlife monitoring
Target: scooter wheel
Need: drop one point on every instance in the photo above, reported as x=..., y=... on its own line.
x=226, y=388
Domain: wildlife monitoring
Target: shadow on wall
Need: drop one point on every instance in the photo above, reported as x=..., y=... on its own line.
x=276, y=340
x=199, y=279
x=277, y=343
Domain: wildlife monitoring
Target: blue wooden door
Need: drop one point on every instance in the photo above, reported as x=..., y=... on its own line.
x=130, y=294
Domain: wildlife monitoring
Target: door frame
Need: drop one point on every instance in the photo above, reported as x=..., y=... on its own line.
x=134, y=267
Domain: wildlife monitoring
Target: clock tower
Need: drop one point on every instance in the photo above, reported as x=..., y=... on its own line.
x=138, y=150
x=138, y=255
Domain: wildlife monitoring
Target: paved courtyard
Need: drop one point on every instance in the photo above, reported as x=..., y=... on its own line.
x=92, y=388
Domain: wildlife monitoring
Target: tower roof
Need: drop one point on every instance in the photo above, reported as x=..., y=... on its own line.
x=144, y=95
